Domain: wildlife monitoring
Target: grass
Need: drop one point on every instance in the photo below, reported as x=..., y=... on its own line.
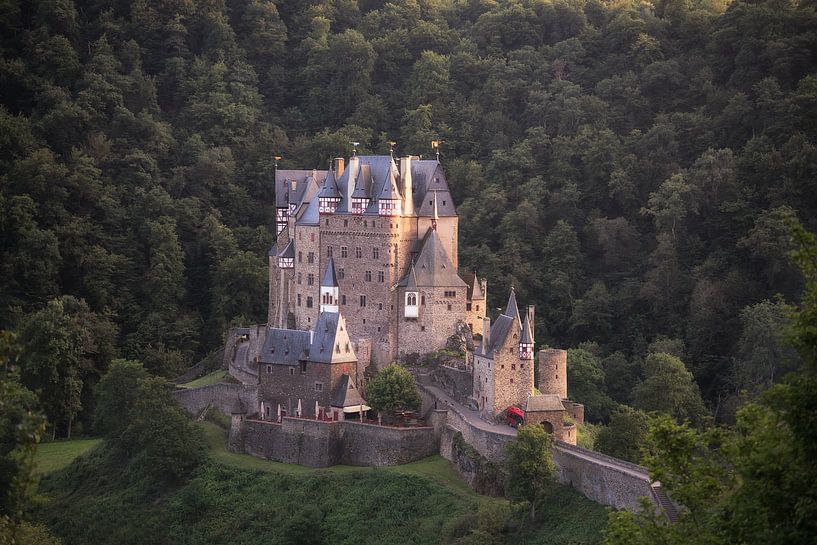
x=235, y=498
x=211, y=378
x=58, y=454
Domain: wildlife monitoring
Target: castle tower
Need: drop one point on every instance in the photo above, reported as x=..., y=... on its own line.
x=329, y=289
x=553, y=372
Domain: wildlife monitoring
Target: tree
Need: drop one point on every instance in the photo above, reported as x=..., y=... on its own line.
x=755, y=483
x=530, y=465
x=669, y=388
x=393, y=389
x=586, y=384
x=21, y=427
x=625, y=434
x=116, y=397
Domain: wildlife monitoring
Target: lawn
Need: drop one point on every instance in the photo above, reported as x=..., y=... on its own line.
x=211, y=378
x=58, y=454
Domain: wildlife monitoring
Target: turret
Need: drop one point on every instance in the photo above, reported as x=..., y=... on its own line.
x=360, y=197
x=389, y=199
x=526, y=341
x=408, y=191
x=329, y=289
x=512, y=309
x=329, y=196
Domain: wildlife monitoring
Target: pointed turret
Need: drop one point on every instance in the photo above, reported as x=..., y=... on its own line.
x=329, y=289
x=389, y=198
x=526, y=342
x=512, y=309
x=329, y=195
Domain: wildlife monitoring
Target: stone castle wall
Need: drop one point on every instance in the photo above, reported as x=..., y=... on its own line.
x=220, y=396
x=316, y=443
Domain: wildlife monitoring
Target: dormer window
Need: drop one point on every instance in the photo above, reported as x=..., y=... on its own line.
x=411, y=310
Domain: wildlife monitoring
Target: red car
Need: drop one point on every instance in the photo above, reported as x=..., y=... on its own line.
x=515, y=417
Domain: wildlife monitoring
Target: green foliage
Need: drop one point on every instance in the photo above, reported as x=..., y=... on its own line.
x=625, y=435
x=530, y=465
x=670, y=389
x=393, y=389
x=755, y=482
x=586, y=384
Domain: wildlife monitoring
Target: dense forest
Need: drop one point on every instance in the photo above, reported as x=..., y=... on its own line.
x=629, y=167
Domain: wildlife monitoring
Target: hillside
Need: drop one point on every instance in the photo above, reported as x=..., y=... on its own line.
x=240, y=499
x=625, y=165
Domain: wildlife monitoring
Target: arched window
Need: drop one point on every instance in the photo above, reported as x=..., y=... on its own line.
x=411, y=299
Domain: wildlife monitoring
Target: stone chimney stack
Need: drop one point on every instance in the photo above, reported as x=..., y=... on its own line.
x=405, y=177
x=354, y=167
x=531, y=318
x=339, y=166
x=486, y=334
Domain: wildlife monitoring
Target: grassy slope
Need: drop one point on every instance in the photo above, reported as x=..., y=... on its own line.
x=206, y=380
x=240, y=499
x=58, y=454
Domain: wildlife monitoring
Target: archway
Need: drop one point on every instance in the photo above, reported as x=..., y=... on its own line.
x=548, y=426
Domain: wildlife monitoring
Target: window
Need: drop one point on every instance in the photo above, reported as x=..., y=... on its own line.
x=511, y=381
x=329, y=251
x=468, y=306
x=327, y=221
x=450, y=293
x=342, y=299
x=358, y=252
x=310, y=279
x=300, y=257
x=375, y=253
x=521, y=365
x=448, y=306
x=423, y=300
x=309, y=302
x=422, y=328
x=477, y=308
x=346, y=223
x=299, y=299
x=312, y=235
x=310, y=257
x=291, y=370
x=269, y=369
x=411, y=299
x=363, y=300
x=318, y=387
x=510, y=350
x=299, y=278
x=365, y=223
x=367, y=276
x=381, y=276
x=379, y=307
x=303, y=367
x=443, y=203
x=513, y=367
x=344, y=251
x=341, y=273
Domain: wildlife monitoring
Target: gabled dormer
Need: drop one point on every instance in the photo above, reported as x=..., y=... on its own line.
x=329, y=195
x=389, y=201
x=286, y=259
x=329, y=289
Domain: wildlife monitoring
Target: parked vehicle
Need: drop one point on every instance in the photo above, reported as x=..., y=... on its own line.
x=514, y=416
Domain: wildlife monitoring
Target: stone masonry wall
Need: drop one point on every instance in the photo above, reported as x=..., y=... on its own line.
x=321, y=444
x=221, y=396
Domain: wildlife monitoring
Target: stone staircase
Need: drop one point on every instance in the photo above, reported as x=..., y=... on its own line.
x=664, y=502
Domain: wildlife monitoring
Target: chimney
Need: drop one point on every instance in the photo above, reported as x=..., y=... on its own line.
x=531, y=309
x=354, y=167
x=408, y=194
x=486, y=334
x=339, y=165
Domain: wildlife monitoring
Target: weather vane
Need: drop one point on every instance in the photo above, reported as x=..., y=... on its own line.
x=354, y=147
x=277, y=158
x=435, y=145
x=391, y=148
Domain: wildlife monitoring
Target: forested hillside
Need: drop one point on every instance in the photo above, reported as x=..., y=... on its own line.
x=626, y=166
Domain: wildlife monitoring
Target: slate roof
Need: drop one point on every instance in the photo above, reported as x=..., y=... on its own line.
x=273, y=251
x=284, y=346
x=411, y=279
x=330, y=187
x=346, y=394
x=288, y=251
x=499, y=332
x=512, y=309
x=284, y=196
x=527, y=331
x=331, y=340
x=428, y=179
x=329, y=277
x=307, y=212
x=474, y=286
x=432, y=266
x=545, y=402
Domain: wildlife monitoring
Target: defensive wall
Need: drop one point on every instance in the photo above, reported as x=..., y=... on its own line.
x=222, y=396
x=316, y=443
x=603, y=479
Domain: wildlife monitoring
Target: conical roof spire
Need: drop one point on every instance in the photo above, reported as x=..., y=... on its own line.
x=527, y=331
x=411, y=279
x=330, y=280
x=512, y=310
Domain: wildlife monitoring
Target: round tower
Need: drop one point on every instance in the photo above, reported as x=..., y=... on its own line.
x=553, y=372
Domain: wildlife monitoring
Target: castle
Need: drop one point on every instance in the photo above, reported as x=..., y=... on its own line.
x=364, y=272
